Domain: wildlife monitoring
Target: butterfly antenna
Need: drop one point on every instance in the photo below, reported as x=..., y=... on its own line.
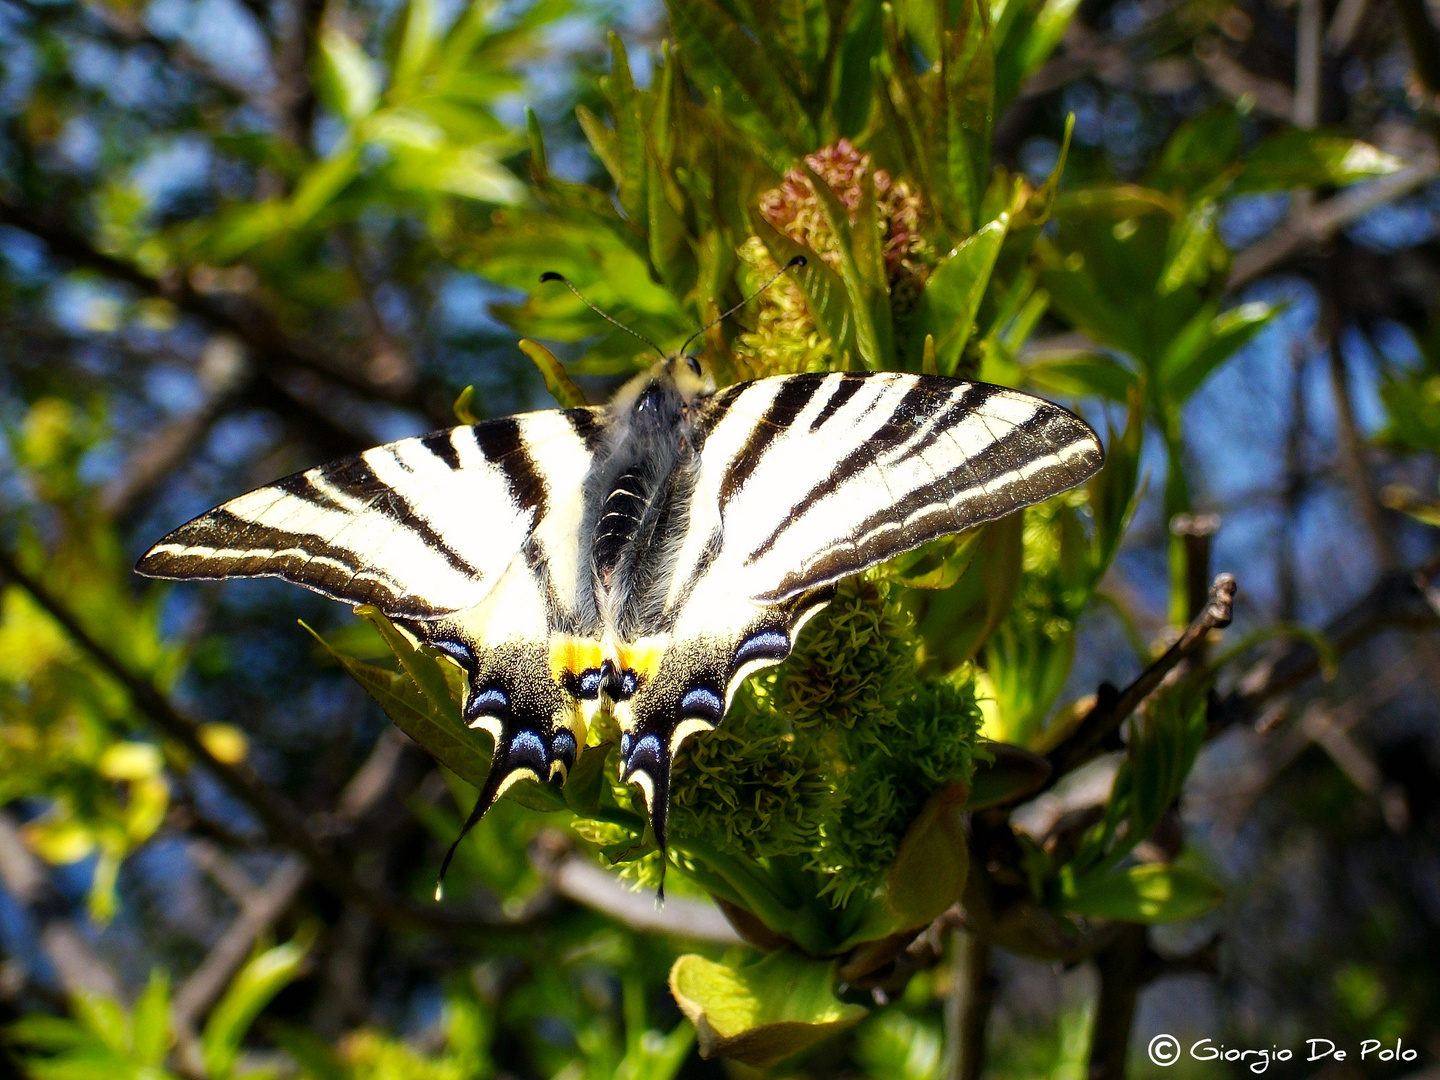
x=795, y=263
x=551, y=275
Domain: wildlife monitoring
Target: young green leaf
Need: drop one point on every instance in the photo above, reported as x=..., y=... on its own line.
x=952, y=296
x=1151, y=893
x=760, y=1013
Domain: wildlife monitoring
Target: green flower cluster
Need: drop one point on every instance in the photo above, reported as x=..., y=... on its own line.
x=829, y=757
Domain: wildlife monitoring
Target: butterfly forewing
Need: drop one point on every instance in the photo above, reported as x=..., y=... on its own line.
x=420, y=528
x=812, y=478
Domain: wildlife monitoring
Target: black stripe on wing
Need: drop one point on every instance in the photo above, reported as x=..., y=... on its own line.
x=1045, y=454
x=329, y=529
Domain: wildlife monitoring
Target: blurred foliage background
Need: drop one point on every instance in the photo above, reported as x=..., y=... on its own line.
x=241, y=237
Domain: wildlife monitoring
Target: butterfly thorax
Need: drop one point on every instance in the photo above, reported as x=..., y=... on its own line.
x=635, y=499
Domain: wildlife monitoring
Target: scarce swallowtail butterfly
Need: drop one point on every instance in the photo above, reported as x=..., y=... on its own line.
x=641, y=557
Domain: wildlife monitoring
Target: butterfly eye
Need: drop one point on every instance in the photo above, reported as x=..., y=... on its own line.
x=625, y=745
x=693, y=364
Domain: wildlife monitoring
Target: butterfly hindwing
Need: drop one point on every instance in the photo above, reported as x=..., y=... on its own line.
x=519, y=690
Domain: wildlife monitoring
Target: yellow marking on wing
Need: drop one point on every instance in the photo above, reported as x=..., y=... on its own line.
x=573, y=655
x=683, y=730
x=577, y=722
x=489, y=724
x=643, y=657
x=647, y=788
x=514, y=777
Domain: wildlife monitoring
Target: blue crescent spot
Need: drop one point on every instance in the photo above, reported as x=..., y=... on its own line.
x=492, y=701
x=563, y=746
x=703, y=703
x=647, y=754
x=766, y=645
x=526, y=748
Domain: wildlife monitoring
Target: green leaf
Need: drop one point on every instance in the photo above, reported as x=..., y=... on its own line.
x=104, y=1018
x=557, y=379
x=1200, y=150
x=1152, y=893
x=1051, y=22
x=350, y=80
x=670, y=253
x=928, y=874
x=1011, y=774
x=952, y=296
x=1115, y=490
x=605, y=141
x=424, y=669
x=964, y=115
x=249, y=992
x=852, y=85
x=1081, y=374
x=1206, y=343
x=1295, y=158
x=416, y=45
x=629, y=142
x=936, y=565
x=1195, y=248
x=722, y=59
x=150, y=1021
x=464, y=406
x=956, y=622
x=51, y=1034
x=761, y=1013
x=441, y=732
x=825, y=293
x=874, y=346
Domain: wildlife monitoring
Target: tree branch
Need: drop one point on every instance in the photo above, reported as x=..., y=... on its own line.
x=281, y=819
x=1396, y=600
x=246, y=320
x=1324, y=220
x=1112, y=707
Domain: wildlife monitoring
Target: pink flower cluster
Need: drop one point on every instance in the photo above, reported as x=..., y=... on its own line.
x=794, y=210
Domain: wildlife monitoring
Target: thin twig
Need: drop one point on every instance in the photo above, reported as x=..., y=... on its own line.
x=1352, y=455
x=259, y=912
x=1322, y=221
x=1396, y=600
x=1111, y=709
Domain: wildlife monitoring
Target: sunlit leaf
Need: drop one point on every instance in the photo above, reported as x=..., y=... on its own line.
x=760, y=1013
x=1150, y=893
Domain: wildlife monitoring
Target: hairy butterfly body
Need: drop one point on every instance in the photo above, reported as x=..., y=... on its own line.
x=642, y=557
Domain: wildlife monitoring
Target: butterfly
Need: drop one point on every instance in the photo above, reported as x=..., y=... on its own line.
x=645, y=556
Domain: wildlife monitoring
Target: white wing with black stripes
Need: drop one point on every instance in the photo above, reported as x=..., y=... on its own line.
x=420, y=528
x=468, y=537
x=807, y=479
x=816, y=477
